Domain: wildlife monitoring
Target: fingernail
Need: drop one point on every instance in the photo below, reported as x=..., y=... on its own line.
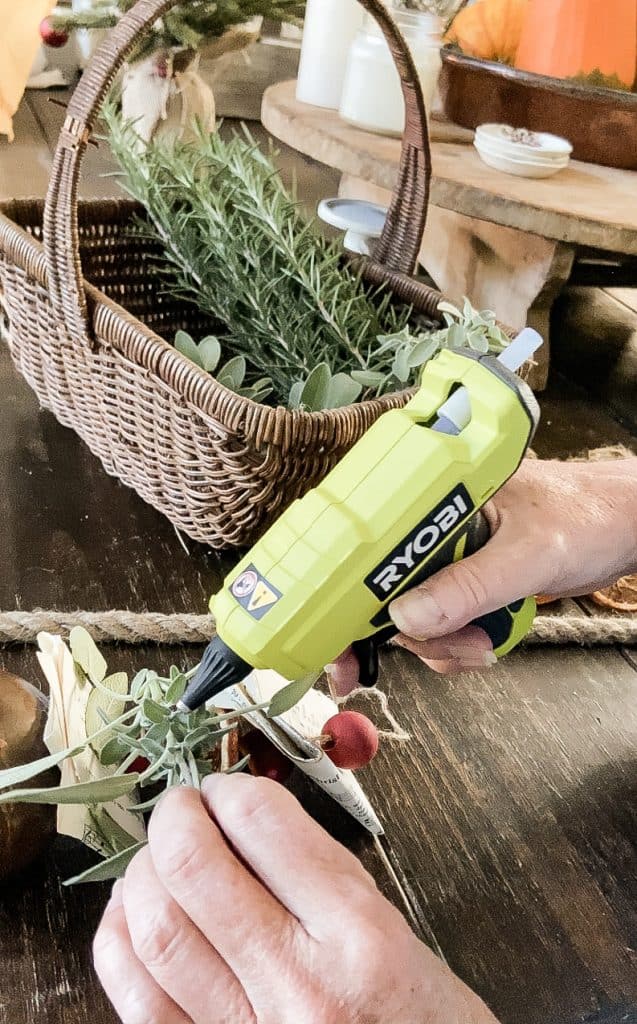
x=416, y=615
x=473, y=658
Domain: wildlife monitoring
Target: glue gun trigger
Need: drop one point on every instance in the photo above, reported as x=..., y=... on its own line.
x=366, y=652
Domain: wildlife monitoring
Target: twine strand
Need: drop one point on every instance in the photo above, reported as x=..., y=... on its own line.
x=137, y=628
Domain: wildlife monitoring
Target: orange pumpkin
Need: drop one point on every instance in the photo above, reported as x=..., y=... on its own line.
x=576, y=38
x=489, y=29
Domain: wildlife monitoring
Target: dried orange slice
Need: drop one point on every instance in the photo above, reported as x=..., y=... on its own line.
x=622, y=596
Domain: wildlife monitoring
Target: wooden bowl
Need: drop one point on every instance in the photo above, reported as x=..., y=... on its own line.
x=601, y=124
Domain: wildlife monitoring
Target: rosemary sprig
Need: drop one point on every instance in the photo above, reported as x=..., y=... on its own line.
x=299, y=326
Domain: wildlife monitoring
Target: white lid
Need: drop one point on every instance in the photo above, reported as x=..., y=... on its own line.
x=528, y=143
x=355, y=215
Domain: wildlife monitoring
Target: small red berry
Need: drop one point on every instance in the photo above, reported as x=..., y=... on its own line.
x=350, y=740
x=265, y=760
x=52, y=36
x=139, y=765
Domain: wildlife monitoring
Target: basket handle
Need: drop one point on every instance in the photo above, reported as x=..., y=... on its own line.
x=396, y=250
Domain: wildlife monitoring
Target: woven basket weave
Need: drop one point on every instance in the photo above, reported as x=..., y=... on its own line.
x=85, y=324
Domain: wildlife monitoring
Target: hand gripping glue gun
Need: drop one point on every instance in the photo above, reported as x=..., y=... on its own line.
x=402, y=504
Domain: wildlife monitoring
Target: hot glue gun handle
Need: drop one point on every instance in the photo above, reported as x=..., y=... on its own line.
x=505, y=627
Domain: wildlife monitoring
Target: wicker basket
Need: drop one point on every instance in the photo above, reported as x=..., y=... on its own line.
x=84, y=323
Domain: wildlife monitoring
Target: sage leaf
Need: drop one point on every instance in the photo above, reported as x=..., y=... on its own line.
x=100, y=791
x=104, y=707
x=113, y=752
x=113, y=867
x=296, y=391
x=456, y=336
x=154, y=712
x=158, y=733
x=400, y=366
x=422, y=352
x=11, y=777
x=137, y=683
x=232, y=374
x=315, y=388
x=368, y=378
x=291, y=694
x=210, y=353
x=448, y=307
x=342, y=390
x=117, y=837
x=86, y=654
x=478, y=342
x=147, y=805
x=176, y=690
x=185, y=344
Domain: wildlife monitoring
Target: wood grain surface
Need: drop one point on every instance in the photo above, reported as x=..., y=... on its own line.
x=583, y=205
x=510, y=816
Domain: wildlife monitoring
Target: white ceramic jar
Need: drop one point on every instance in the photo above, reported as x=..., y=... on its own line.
x=372, y=95
x=329, y=28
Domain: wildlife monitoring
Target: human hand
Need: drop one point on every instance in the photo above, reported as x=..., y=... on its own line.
x=242, y=910
x=563, y=529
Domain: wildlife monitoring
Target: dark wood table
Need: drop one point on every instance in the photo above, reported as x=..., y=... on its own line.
x=510, y=817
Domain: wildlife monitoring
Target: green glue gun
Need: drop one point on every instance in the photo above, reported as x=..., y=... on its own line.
x=402, y=504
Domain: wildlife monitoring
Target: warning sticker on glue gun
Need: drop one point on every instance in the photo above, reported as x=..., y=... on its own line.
x=254, y=593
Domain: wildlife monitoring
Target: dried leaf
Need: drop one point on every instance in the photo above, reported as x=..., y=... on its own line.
x=86, y=654
x=105, y=707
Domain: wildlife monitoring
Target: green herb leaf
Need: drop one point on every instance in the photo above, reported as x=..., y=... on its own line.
x=102, y=706
x=147, y=805
x=154, y=712
x=400, y=366
x=368, y=378
x=294, y=399
x=422, y=352
x=86, y=654
x=106, y=870
x=210, y=353
x=185, y=344
x=448, y=307
x=456, y=336
x=101, y=791
x=291, y=694
x=315, y=389
x=176, y=690
x=117, y=837
x=341, y=391
x=478, y=342
x=11, y=777
x=113, y=752
x=138, y=682
x=232, y=374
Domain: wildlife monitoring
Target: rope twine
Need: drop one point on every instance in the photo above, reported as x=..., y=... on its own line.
x=136, y=628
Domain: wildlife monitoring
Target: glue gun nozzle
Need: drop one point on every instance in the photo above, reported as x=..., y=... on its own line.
x=220, y=668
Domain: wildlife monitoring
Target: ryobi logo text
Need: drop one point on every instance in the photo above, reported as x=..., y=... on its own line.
x=413, y=551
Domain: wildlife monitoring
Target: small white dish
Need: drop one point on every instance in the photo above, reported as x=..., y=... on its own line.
x=522, y=168
x=524, y=142
x=362, y=222
x=518, y=157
